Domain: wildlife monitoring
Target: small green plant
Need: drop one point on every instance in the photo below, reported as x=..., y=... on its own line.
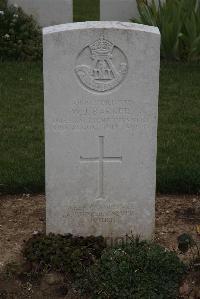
x=179, y=25
x=63, y=253
x=185, y=243
x=20, y=36
x=138, y=270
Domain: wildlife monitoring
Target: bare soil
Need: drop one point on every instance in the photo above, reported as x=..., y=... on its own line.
x=23, y=216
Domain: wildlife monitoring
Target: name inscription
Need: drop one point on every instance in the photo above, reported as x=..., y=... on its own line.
x=102, y=114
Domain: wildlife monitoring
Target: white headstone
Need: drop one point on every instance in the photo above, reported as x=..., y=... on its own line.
x=118, y=10
x=47, y=12
x=101, y=98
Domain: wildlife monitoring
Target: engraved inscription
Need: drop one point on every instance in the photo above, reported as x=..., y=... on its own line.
x=108, y=215
x=92, y=114
x=101, y=66
x=101, y=159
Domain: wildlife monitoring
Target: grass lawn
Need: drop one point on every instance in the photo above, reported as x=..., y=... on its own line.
x=21, y=128
x=178, y=164
x=86, y=10
x=22, y=134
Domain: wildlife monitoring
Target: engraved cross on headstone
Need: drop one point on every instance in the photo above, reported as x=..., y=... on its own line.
x=101, y=159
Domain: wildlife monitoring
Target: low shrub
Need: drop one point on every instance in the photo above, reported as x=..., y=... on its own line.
x=63, y=253
x=20, y=36
x=138, y=270
x=179, y=25
x=186, y=243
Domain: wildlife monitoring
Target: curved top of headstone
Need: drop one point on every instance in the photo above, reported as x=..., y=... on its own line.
x=100, y=25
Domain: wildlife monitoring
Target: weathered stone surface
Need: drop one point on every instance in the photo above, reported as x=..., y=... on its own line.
x=47, y=12
x=101, y=98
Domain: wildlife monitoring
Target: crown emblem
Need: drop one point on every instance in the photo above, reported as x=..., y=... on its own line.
x=103, y=67
x=101, y=46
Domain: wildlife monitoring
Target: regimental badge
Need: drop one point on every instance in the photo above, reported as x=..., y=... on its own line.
x=101, y=66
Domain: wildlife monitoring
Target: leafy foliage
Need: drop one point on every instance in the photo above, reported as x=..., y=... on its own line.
x=20, y=36
x=185, y=241
x=179, y=24
x=63, y=252
x=138, y=270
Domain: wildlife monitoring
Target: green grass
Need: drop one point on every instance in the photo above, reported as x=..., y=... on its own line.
x=22, y=136
x=178, y=164
x=21, y=128
x=86, y=10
